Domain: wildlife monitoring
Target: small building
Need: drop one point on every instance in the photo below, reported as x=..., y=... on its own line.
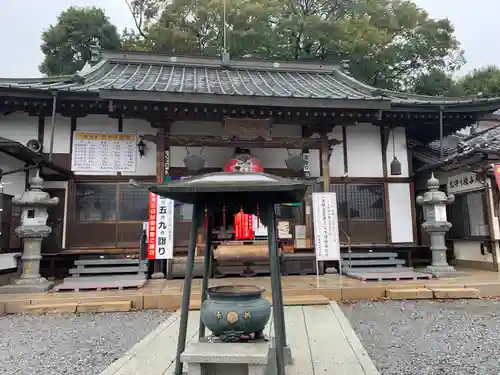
x=185, y=110
x=467, y=171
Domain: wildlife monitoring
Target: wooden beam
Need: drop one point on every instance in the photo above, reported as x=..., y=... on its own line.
x=211, y=141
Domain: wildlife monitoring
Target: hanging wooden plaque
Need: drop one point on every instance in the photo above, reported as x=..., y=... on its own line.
x=247, y=128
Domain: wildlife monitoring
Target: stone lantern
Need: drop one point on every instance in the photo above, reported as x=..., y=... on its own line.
x=436, y=225
x=33, y=229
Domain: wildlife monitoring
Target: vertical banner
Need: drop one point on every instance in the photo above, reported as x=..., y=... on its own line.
x=326, y=228
x=161, y=227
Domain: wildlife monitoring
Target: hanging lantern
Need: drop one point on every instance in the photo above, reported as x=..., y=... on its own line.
x=395, y=164
x=395, y=167
x=194, y=163
x=243, y=161
x=295, y=162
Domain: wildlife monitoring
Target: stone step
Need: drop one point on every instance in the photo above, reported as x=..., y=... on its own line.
x=106, y=262
x=194, y=304
x=374, y=269
x=455, y=293
x=107, y=270
x=356, y=255
x=375, y=262
x=104, y=306
x=409, y=293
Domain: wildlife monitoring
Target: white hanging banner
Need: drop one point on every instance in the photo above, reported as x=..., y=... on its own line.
x=326, y=226
x=161, y=227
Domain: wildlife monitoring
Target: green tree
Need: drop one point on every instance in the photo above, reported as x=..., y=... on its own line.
x=437, y=83
x=485, y=82
x=66, y=45
x=390, y=43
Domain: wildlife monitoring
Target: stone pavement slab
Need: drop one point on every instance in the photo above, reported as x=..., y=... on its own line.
x=320, y=337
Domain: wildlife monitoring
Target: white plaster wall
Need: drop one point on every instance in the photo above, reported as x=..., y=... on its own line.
x=470, y=250
x=62, y=135
x=400, y=213
x=146, y=165
x=336, y=164
x=19, y=127
x=100, y=124
x=61, y=185
x=14, y=184
x=364, y=151
x=401, y=151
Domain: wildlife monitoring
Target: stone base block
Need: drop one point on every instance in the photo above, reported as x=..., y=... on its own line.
x=455, y=293
x=158, y=275
x=410, y=293
x=447, y=274
x=287, y=352
x=26, y=288
x=209, y=358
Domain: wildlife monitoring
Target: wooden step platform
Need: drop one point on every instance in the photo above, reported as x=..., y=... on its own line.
x=99, y=283
x=388, y=276
x=375, y=262
x=373, y=255
x=107, y=262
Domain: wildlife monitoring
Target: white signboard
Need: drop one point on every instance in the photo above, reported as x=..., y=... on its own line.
x=326, y=229
x=161, y=227
x=464, y=182
x=104, y=152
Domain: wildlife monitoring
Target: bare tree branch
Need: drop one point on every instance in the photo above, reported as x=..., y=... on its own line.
x=138, y=19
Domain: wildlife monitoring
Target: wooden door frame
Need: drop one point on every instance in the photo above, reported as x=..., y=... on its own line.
x=61, y=205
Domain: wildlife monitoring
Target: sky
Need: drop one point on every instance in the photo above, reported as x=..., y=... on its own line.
x=23, y=21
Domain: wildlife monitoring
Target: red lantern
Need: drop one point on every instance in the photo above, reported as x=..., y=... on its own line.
x=243, y=161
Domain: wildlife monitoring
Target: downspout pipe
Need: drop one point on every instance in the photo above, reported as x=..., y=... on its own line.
x=53, y=125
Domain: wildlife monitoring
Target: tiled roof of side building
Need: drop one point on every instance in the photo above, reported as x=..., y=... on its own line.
x=144, y=72
x=464, y=146
x=431, y=153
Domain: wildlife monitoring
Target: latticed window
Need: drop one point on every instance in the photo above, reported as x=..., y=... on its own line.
x=108, y=214
x=361, y=212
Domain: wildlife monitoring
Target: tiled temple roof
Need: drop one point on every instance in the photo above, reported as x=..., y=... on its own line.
x=459, y=147
x=143, y=72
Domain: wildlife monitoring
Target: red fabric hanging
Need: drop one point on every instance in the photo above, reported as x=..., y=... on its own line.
x=243, y=226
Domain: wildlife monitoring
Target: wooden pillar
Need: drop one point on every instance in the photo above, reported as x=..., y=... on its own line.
x=385, y=133
x=325, y=164
x=325, y=168
x=491, y=203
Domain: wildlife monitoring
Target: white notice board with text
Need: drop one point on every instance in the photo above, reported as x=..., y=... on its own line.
x=326, y=227
x=104, y=152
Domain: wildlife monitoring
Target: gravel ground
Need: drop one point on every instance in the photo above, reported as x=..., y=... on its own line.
x=70, y=344
x=428, y=337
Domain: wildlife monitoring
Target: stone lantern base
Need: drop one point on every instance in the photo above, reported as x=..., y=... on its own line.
x=40, y=285
x=30, y=280
x=443, y=271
